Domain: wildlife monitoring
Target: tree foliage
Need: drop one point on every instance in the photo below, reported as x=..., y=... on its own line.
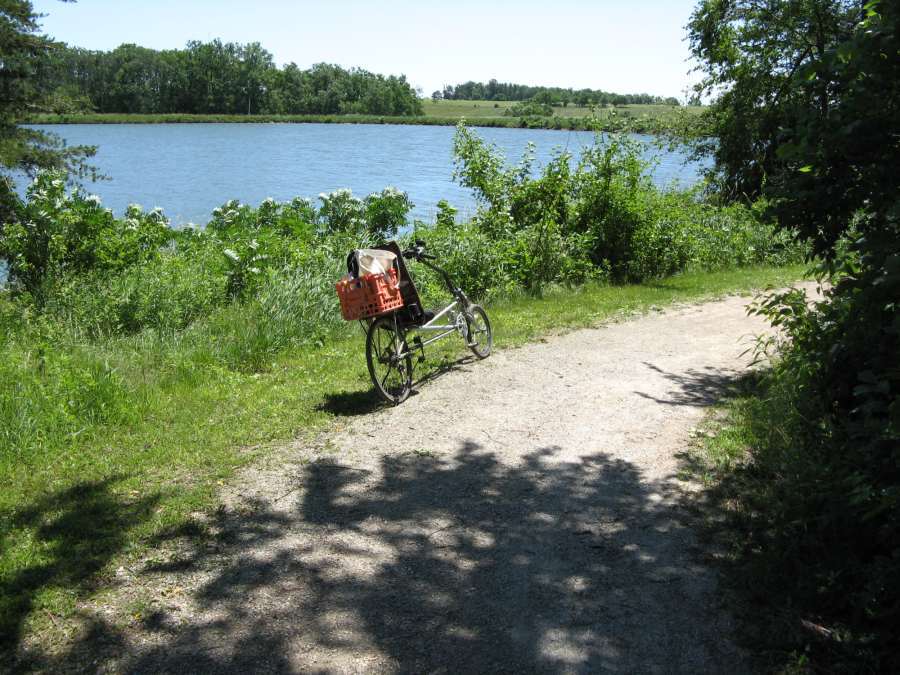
x=23, y=54
x=507, y=91
x=808, y=116
x=809, y=106
x=217, y=78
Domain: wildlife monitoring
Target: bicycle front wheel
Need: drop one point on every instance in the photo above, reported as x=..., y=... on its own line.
x=481, y=339
x=389, y=360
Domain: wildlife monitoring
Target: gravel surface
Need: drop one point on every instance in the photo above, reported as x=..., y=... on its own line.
x=517, y=514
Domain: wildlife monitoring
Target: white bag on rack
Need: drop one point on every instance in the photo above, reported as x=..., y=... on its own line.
x=376, y=261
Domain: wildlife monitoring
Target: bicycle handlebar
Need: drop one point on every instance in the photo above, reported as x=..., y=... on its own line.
x=417, y=252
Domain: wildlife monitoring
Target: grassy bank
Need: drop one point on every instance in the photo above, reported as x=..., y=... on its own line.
x=439, y=113
x=141, y=365
x=808, y=568
x=89, y=496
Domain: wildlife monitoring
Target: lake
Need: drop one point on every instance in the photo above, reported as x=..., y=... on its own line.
x=190, y=169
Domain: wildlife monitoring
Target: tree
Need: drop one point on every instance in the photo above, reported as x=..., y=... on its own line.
x=23, y=54
x=810, y=113
x=216, y=78
x=807, y=116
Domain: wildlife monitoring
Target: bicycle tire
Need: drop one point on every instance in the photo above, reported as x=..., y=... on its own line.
x=481, y=337
x=391, y=375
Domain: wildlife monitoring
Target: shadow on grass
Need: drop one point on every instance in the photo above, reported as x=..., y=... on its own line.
x=790, y=550
x=73, y=534
x=460, y=563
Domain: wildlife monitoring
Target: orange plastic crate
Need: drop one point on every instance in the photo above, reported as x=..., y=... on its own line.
x=368, y=296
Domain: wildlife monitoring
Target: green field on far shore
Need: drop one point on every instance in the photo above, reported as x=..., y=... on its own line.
x=475, y=110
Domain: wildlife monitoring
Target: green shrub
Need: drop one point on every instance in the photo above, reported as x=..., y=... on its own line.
x=602, y=216
x=380, y=214
x=468, y=255
x=292, y=306
x=529, y=109
x=386, y=212
x=59, y=233
x=817, y=502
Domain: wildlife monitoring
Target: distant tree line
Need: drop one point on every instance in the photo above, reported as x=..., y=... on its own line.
x=507, y=91
x=214, y=78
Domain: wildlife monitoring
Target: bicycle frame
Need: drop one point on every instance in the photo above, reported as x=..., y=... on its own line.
x=432, y=325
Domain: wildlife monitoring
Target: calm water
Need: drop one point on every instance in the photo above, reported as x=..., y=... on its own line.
x=190, y=169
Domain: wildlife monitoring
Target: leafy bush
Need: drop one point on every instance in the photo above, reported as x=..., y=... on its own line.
x=341, y=211
x=55, y=233
x=293, y=307
x=380, y=215
x=602, y=216
x=101, y=275
x=386, y=212
x=529, y=109
x=816, y=500
x=165, y=295
x=818, y=141
x=256, y=281
x=468, y=255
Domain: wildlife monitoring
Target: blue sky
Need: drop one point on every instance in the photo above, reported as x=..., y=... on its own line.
x=603, y=44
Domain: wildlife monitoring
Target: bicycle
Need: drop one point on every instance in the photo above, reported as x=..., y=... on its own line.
x=392, y=339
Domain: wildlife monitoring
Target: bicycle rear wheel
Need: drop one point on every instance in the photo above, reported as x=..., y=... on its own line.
x=389, y=360
x=481, y=338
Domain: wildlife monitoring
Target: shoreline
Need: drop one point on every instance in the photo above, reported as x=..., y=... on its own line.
x=643, y=124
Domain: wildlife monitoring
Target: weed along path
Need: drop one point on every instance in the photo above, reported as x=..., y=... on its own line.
x=518, y=514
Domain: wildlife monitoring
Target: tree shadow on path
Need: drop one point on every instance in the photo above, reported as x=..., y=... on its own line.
x=457, y=563
x=695, y=387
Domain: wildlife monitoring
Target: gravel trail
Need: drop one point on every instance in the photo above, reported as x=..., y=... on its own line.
x=519, y=514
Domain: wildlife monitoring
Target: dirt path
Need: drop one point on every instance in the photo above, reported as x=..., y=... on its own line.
x=518, y=514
